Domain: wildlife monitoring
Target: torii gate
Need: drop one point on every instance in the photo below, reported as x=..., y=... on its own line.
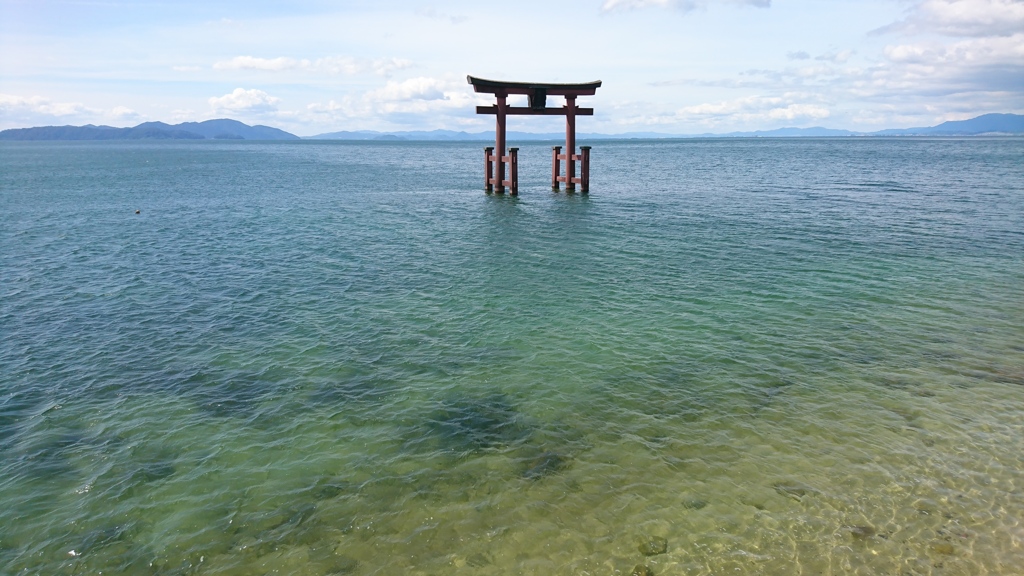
x=494, y=164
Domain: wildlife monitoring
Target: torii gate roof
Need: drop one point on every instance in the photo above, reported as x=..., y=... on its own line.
x=482, y=85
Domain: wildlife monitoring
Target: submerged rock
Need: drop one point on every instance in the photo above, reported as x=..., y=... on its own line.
x=642, y=570
x=544, y=464
x=694, y=504
x=478, y=560
x=228, y=393
x=342, y=565
x=465, y=424
x=101, y=538
x=860, y=532
x=794, y=491
x=153, y=471
x=653, y=545
x=327, y=488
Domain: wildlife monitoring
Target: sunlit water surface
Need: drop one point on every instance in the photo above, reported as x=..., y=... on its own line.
x=779, y=356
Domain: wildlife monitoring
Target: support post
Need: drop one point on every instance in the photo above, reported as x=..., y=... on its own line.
x=488, y=169
x=570, y=142
x=556, y=167
x=499, y=145
x=513, y=168
x=584, y=169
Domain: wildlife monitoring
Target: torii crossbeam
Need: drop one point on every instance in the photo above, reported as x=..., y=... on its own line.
x=494, y=163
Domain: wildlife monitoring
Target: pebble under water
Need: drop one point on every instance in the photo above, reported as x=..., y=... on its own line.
x=776, y=357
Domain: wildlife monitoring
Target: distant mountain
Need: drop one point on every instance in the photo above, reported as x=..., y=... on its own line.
x=1011, y=124
x=374, y=135
x=816, y=132
x=222, y=129
x=487, y=136
x=233, y=129
x=985, y=124
x=90, y=132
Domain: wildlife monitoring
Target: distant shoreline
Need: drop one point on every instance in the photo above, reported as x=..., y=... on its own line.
x=987, y=125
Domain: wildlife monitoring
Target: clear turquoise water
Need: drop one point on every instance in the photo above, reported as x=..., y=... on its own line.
x=781, y=356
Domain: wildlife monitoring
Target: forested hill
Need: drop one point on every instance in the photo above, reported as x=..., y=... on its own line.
x=223, y=129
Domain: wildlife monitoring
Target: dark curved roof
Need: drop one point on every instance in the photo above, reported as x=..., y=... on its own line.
x=493, y=86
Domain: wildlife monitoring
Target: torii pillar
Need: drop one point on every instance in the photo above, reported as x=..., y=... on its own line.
x=494, y=162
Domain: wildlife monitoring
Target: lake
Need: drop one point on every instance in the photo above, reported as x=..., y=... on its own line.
x=744, y=356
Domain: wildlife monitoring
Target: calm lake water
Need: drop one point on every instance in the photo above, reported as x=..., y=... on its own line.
x=746, y=356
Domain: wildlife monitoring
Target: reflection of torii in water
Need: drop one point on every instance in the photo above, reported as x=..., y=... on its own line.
x=494, y=164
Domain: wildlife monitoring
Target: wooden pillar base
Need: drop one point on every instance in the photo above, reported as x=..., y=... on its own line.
x=570, y=180
x=556, y=166
x=513, y=171
x=584, y=169
x=488, y=169
x=494, y=169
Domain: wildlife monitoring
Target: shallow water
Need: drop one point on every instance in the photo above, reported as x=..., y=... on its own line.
x=781, y=356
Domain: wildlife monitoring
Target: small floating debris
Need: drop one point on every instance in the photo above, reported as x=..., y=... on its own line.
x=653, y=545
x=138, y=211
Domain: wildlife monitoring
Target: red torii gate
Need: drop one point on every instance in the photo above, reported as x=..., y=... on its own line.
x=494, y=164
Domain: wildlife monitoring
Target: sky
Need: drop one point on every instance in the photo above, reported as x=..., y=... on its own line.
x=669, y=66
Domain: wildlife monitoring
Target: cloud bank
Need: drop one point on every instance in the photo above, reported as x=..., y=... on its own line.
x=334, y=65
x=982, y=18
x=244, y=101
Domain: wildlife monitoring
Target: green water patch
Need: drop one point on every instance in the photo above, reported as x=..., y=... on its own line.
x=464, y=424
x=16, y=408
x=355, y=391
x=232, y=393
x=136, y=471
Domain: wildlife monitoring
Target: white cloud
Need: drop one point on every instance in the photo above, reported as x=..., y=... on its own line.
x=39, y=110
x=182, y=115
x=952, y=59
x=436, y=15
x=915, y=72
x=245, y=101
x=331, y=107
x=385, y=66
x=38, y=105
x=799, y=112
x=963, y=18
x=438, y=101
x=684, y=5
x=758, y=109
x=839, y=57
x=334, y=65
x=266, y=64
x=124, y=113
x=743, y=113
x=981, y=65
x=411, y=89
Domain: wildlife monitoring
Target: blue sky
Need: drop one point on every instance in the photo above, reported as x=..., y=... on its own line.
x=673, y=66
